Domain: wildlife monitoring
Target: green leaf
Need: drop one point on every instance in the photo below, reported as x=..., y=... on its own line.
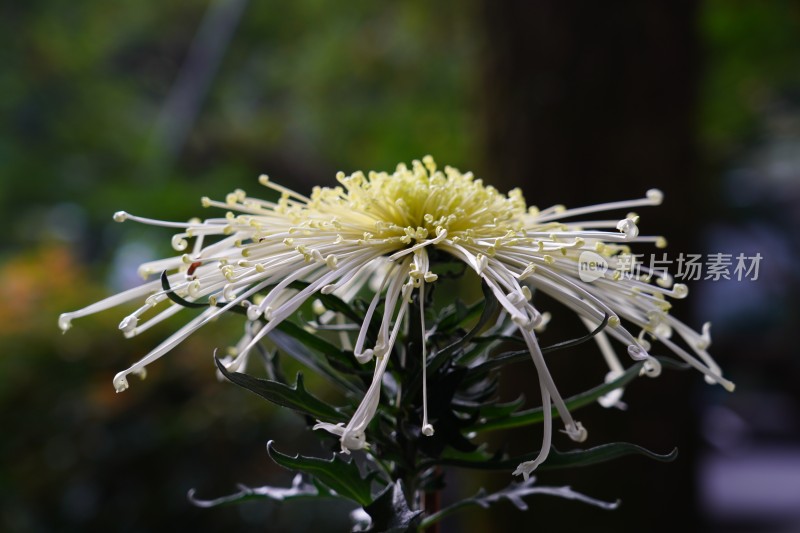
x=174, y=297
x=390, y=512
x=501, y=410
x=331, y=302
x=478, y=353
x=480, y=454
x=600, y=454
x=295, y=348
x=557, y=460
x=454, y=315
x=238, y=309
x=296, y=397
x=301, y=489
x=340, y=476
x=524, y=355
x=580, y=340
x=317, y=343
x=490, y=306
x=536, y=415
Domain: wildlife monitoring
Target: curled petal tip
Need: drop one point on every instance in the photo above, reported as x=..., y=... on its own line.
x=637, y=352
x=679, y=290
x=612, y=398
x=628, y=227
x=651, y=367
x=253, y=313
x=336, y=429
x=704, y=342
x=577, y=432
x=65, y=321
x=364, y=356
x=120, y=382
x=327, y=289
x=522, y=321
x=353, y=440
x=655, y=196
x=525, y=469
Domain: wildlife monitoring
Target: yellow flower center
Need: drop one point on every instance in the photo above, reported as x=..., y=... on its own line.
x=415, y=203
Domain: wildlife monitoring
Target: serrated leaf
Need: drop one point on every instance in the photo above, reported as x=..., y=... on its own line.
x=342, y=477
x=301, y=489
x=536, y=415
x=296, y=398
x=390, y=512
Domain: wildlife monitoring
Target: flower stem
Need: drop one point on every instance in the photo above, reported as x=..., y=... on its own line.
x=433, y=504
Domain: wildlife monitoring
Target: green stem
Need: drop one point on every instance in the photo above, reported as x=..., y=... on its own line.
x=433, y=506
x=430, y=501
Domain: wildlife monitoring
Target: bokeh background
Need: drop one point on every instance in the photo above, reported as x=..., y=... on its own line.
x=147, y=106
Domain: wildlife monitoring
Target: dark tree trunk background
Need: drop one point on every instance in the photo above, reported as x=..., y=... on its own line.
x=585, y=102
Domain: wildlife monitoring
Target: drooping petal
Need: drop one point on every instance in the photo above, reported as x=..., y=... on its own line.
x=373, y=232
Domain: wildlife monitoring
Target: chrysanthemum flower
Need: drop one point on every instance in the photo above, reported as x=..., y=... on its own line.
x=381, y=227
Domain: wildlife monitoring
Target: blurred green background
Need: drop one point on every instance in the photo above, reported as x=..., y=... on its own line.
x=148, y=106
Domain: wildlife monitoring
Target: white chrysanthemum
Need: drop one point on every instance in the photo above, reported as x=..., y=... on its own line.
x=379, y=227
